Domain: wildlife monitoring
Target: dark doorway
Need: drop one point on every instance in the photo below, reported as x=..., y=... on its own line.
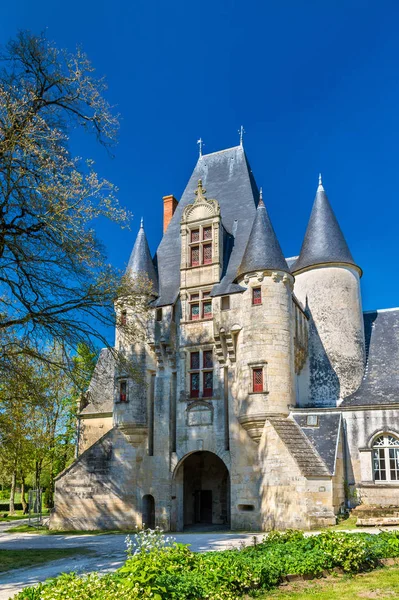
x=148, y=511
x=206, y=491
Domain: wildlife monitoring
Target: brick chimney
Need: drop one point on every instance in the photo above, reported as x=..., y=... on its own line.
x=169, y=207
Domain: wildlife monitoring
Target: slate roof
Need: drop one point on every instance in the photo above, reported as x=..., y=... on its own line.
x=263, y=250
x=100, y=393
x=140, y=261
x=380, y=383
x=324, y=437
x=324, y=241
x=300, y=448
x=227, y=177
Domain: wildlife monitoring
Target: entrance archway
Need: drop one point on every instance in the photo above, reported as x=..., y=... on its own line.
x=202, y=493
x=148, y=511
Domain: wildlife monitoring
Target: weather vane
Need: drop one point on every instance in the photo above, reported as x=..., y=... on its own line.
x=241, y=132
x=200, y=143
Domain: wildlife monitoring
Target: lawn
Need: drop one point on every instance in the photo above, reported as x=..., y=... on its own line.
x=17, y=559
x=381, y=584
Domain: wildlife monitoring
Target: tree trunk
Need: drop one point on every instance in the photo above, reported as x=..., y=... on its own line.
x=23, y=499
x=12, y=492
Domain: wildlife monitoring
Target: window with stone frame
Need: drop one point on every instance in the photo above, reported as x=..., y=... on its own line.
x=200, y=305
x=386, y=458
x=200, y=250
x=257, y=380
x=123, y=390
x=201, y=374
x=256, y=295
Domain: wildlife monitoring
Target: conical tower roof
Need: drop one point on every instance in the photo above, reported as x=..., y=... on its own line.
x=140, y=261
x=263, y=251
x=324, y=241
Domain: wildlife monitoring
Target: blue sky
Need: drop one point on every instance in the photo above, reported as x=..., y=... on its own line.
x=315, y=84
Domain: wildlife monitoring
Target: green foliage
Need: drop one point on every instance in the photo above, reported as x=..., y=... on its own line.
x=176, y=573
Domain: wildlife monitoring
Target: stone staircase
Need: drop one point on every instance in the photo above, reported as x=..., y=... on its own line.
x=376, y=516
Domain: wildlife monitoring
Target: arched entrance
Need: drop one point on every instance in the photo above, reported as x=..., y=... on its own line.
x=148, y=511
x=202, y=493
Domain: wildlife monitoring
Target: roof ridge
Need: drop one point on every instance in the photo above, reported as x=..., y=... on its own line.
x=220, y=151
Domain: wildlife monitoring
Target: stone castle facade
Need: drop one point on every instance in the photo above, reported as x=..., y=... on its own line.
x=267, y=398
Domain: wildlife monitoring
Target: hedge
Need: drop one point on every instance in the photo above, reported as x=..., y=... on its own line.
x=5, y=506
x=176, y=573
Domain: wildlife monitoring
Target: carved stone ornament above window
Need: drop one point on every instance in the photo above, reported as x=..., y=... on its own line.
x=201, y=208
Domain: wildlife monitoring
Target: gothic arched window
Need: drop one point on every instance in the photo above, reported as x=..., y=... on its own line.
x=386, y=458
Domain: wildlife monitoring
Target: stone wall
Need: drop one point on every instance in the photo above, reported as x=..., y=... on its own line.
x=336, y=336
x=91, y=429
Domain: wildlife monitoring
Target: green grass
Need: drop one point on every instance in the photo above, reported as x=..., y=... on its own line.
x=17, y=559
x=349, y=523
x=44, y=530
x=381, y=584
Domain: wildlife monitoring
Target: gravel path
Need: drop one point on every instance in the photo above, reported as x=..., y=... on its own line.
x=109, y=549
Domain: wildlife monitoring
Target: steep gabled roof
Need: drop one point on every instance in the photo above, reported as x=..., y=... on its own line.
x=100, y=393
x=140, y=261
x=324, y=241
x=228, y=178
x=263, y=251
x=380, y=383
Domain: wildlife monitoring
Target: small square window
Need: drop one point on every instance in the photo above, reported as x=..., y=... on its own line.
x=225, y=302
x=123, y=391
x=195, y=235
x=207, y=254
x=123, y=317
x=256, y=295
x=207, y=233
x=257, y=380
x=312, y=420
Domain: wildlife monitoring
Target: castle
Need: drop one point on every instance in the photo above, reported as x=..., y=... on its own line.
x=268, y=399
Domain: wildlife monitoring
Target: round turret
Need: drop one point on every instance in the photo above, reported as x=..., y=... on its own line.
x=327, y=282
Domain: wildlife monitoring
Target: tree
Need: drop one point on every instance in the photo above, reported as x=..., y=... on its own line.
x=55, y=284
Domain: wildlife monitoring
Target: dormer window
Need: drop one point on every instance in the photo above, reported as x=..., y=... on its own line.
x=201, y=246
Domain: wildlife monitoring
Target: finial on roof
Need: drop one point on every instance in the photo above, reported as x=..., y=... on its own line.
x=141, y=223
x=200, y=143
x=261, y=203
x=200, y=191
x=241, y=132
x=320, y=188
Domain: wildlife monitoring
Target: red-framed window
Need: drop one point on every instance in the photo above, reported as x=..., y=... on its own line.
x=123, y=391
x=256, y=295
x=123, y=317
x=207, y=233
x=201, y=372
x=195, y=256
x=200, y=306
x=194, y=385
x=195, y=235
x=200, y=246
x=257, y=379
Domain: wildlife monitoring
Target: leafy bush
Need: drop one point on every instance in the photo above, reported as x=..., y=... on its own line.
x=160, y=569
